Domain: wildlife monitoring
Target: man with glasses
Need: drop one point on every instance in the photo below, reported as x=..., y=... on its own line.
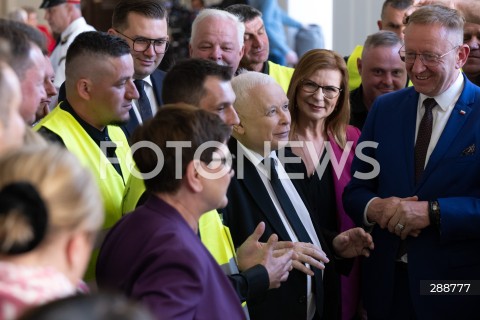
x=143, y=24
x=423, y=204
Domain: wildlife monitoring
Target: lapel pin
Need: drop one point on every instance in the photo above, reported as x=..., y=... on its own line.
x=462, y=112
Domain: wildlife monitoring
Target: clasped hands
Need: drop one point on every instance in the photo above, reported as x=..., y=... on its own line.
x=280, y=257
x=402, y=216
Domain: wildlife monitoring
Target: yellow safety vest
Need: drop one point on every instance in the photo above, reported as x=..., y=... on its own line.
x=281, y=74
x=354, y=79
x=111, y=184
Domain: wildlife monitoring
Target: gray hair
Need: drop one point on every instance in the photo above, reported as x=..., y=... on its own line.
x=244, y=83
x=219, y=14
x=381, y=39
x=449, y=19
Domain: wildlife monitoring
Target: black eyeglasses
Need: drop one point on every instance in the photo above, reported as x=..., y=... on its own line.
x=428, y=59
x=142, y=44
x=329, y=92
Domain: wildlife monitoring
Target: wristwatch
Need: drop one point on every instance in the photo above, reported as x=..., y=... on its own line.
x=434, y=213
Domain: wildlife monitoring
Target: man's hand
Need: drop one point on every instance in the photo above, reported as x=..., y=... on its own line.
x=306, y=253
x=277, y=263
x=381, y=210
x=352, y=243
x=410, y=218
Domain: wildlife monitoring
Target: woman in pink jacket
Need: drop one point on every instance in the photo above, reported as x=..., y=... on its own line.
x=320, y=135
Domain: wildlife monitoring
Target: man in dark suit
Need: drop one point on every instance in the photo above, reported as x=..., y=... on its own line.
x=254, y=196
x=143, y=24
x=424, y=186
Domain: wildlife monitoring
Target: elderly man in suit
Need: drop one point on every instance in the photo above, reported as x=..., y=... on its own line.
x=257, y=194
x=426, y=191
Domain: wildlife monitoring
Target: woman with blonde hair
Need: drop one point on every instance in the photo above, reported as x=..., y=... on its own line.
x=50, y=212
x=320, y=135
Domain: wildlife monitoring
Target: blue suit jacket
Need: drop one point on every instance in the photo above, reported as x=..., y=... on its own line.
x=452, y=176
x=157, y=83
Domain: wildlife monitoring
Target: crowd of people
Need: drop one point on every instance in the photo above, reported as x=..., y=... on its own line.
x=232, y=186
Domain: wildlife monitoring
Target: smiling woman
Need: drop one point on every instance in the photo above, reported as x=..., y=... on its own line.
x=320, y=111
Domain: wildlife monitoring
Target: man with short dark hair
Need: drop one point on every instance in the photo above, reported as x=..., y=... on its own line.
x=99, y=93
x=144, y=26
x=257, y=47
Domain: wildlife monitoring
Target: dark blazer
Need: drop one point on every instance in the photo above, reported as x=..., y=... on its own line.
x=248, y=204
x=157, y=78
x=452, y=176
x=152, y=255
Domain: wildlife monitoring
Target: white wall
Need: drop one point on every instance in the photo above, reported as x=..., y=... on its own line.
x=345, y=23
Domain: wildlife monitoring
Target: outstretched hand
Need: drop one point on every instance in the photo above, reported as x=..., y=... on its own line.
x=253, y=252
x=306, y=253
x=352, y=243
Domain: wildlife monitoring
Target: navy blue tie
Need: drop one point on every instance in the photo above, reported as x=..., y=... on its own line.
x=143, y=103
x=286, y=204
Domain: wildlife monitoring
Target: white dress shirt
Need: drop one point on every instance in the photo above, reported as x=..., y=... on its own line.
x=302, y=211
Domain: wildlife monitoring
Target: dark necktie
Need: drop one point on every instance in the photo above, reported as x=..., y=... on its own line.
x=423, y=138
x=143, y=103
x=286, y=204
x=298, y=228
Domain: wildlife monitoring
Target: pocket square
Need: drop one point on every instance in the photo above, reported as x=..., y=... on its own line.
x=469, y=150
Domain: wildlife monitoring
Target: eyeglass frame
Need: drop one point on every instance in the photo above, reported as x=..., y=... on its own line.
x=151, y=41
x=302, y=83
x=437, y=57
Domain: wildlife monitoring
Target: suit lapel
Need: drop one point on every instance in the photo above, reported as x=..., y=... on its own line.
x=460, y=113
x=408, y=116
x=131, y=124
x=254, y=185
x=157, y=84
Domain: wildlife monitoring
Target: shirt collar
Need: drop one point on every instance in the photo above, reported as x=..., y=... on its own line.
x=93, y=132
x=447, y=98
x=255, y=157
x=148, y=80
